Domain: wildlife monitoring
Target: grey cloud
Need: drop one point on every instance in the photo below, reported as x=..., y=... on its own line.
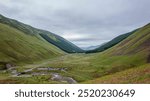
x=97, y=19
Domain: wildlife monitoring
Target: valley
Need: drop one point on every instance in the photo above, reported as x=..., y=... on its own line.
x=33, y=56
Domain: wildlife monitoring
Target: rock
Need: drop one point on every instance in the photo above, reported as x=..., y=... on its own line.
x=63, y=69
x=14, y=72
x=59, y=78
x=21, y=75
x=69, y=80
x=51, y=69
x=29, y=70
x=56, y=77
x=43, y=69
x=9, y=66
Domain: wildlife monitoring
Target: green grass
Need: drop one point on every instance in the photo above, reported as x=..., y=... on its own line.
x=16, y=46
x=52, y=38
x=112, y=43
x=130, y=53
x=135, y=75
x=83, y=67
x=126, y=62
x=137, y=42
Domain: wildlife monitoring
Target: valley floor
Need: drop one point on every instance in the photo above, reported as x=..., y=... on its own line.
x=79, y=68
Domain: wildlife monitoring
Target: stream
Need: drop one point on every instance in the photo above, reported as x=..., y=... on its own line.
x=44, y=71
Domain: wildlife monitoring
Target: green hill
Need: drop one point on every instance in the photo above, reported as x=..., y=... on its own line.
x=138, y=42
x=137, y=75
x=17, y=46
x=131, y=53
x=50, y=37
x=111, y=43
x=128, y=61
x=62, y=43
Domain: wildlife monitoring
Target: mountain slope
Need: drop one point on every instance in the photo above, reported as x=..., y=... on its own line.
x=62, y=43
x=111, y=43
x=138, y=42
x=50, y=37
x=132, y=52
x=16, y=46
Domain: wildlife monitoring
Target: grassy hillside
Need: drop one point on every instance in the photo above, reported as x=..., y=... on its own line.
x=111, y=43
x=50, y=37
x=62, y=43
x=16, y=46
x=133, y=52
x=138, y=42
x=140, y=74
x=126, y=62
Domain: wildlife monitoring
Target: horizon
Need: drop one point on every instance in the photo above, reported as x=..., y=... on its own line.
x=93, y=23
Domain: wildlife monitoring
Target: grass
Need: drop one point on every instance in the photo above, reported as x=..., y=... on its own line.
x=126, y=62
x=17, y=46
x=84, y=67
x=42, y=35
x=135, y=75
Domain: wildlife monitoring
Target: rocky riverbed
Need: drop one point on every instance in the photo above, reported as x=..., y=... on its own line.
x=52, y=72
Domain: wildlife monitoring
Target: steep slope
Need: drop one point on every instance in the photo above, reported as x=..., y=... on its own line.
x=17, y=46
x=50, y=37
x=111, y=43
x=62, y=43
x=138, y=42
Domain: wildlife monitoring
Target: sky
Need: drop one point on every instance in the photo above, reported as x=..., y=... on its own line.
x=83, y=22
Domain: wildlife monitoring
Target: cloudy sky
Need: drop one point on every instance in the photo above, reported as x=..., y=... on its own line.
x=83, y=22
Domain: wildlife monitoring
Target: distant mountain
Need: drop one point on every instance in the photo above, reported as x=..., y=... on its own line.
x=92, y=47
x=48, y=36
x=111, y=43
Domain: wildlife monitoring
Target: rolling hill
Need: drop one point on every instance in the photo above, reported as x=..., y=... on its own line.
x=54, y=39
x=125, y=59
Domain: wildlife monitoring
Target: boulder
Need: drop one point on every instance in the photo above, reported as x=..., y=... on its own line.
x=8, y=66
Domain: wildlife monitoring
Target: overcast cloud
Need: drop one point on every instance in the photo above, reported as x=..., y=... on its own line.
x=83, y=22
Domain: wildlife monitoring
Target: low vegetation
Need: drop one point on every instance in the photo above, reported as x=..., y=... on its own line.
x=126, y=62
